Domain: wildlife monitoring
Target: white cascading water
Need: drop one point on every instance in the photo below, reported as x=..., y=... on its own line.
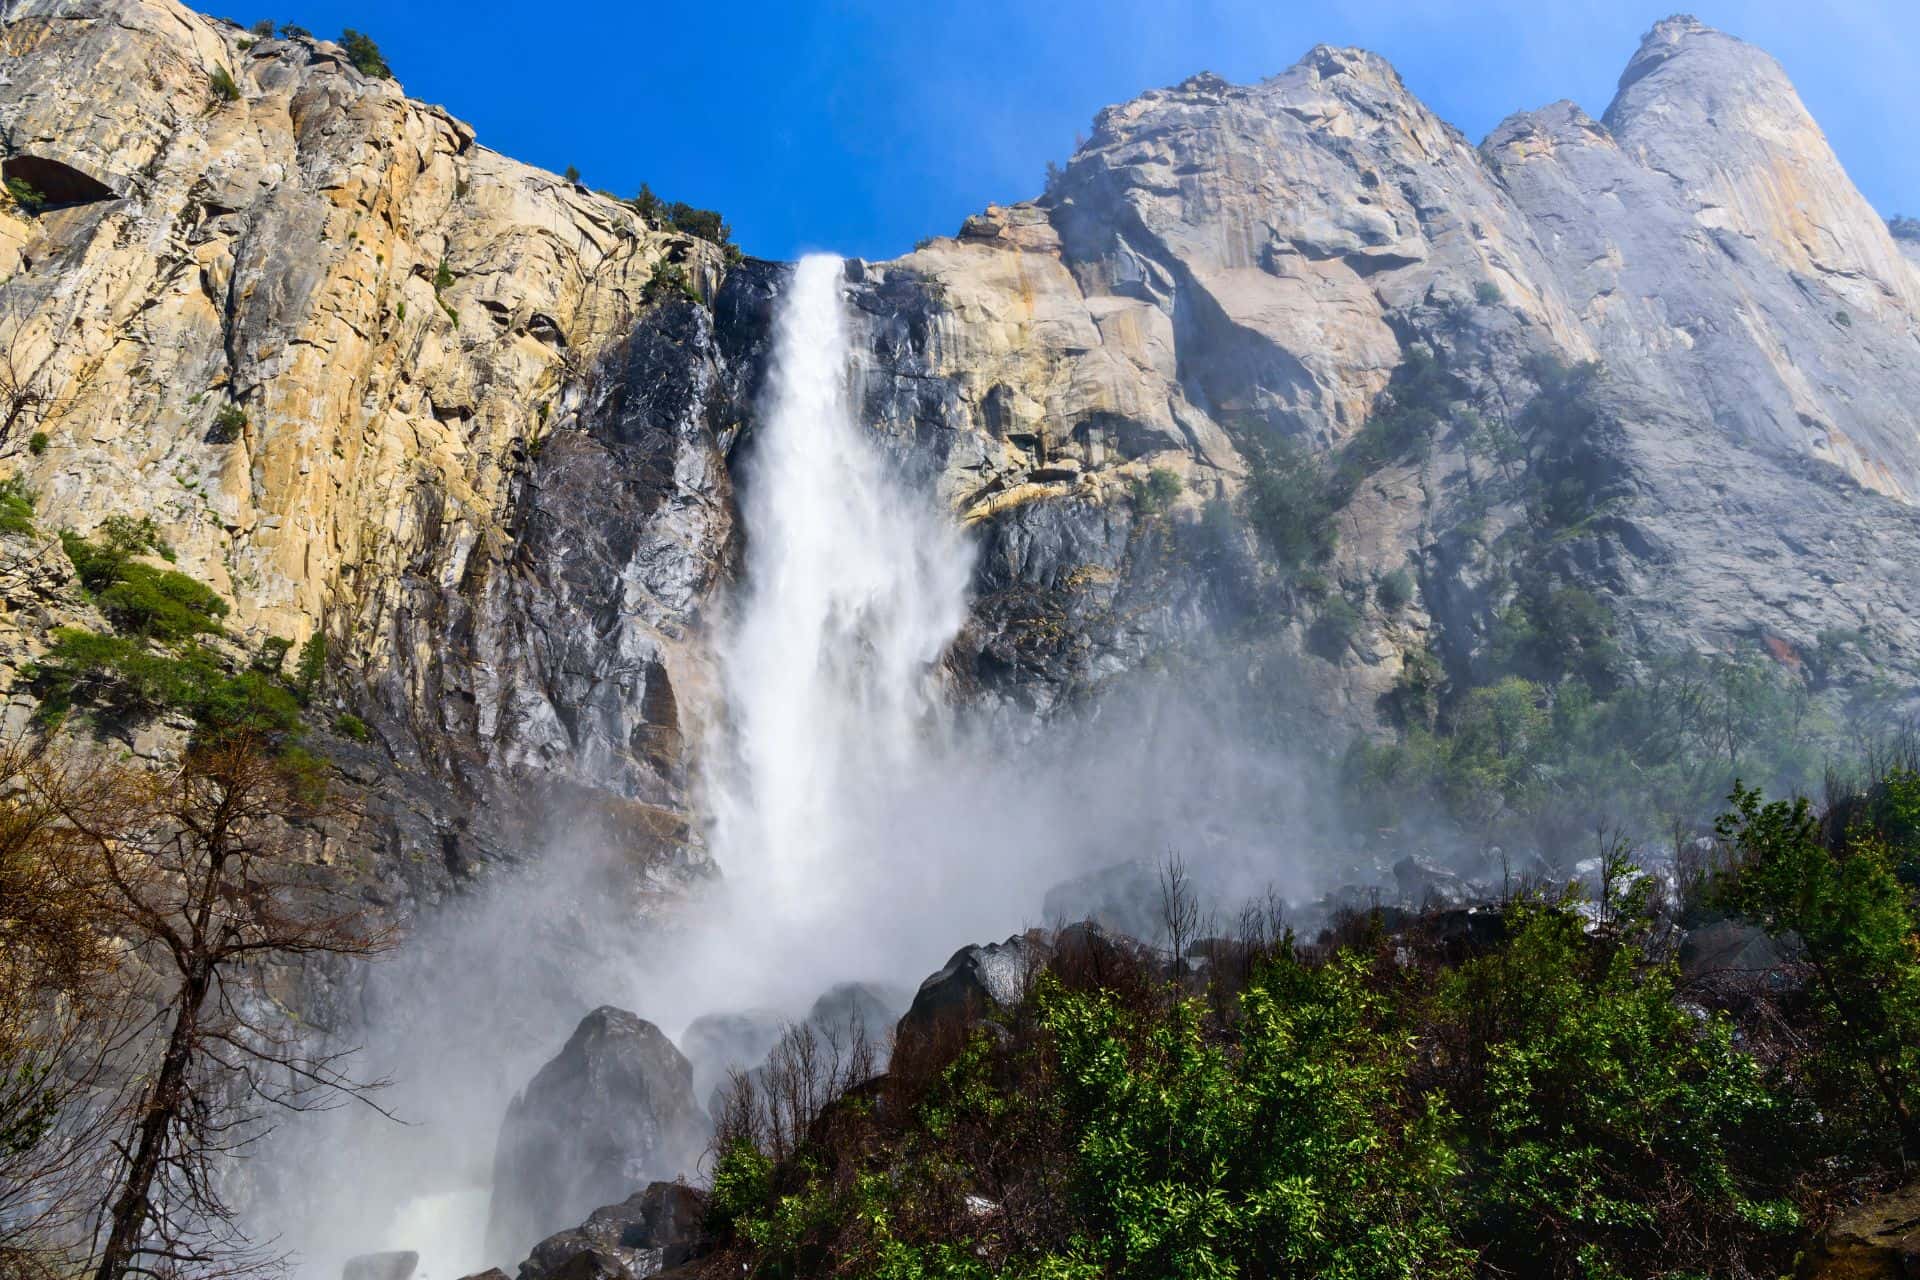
x=854, y=587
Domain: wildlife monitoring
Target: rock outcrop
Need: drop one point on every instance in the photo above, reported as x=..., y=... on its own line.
x=649, y=1232
x=613, y=1111
x=375, y=379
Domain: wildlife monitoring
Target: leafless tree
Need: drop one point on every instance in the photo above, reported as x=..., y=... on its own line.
x=201, y=869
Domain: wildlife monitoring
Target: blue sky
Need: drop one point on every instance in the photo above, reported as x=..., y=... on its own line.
x=862, y=125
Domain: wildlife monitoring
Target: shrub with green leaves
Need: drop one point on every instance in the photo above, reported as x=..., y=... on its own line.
x=669, y=280
x=365, y=55
x=24, y=196
x=125, y=676
x=222, y=85
x=1154, y=494
x=16, y=507
x=139, y=599
x=37, y=443
x=1835, y=890
x=1611, y=1132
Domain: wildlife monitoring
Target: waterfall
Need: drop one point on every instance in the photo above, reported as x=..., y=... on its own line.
x=854, y=586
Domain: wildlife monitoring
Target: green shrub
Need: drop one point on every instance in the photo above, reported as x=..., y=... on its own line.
x=1304, y=1152
x=1843, y=318
x=310, y=671
x=123, y=675
x=24, y=196
x=571, y=175
x=348, y=725
x=1394, y=591
x=271, y=659
x=669, y=281
x=1611, y=1133
x=37, y=443
x=293, y=31
x=228, y=423
x=1286, y=503
x=1156, y=492
x=262, y=29
x=16, y=507
x=223, y=86
x=1334, y=628
x=1486, y=293
x=162, y=604
x=365, y=55
x=442, y=277
x=1837, y=892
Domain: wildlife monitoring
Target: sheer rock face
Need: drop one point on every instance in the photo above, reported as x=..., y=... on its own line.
x=612, y=1112
x=326, y=339
x=512, y=526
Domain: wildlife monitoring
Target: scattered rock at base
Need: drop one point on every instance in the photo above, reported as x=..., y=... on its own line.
x=613, y=1111
x=1880, y=1240
x=393, y=1264
x=1730, y=958
x=641, y=1236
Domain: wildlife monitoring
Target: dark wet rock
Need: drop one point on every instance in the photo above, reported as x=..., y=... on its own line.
x=976, y=981
x=1880, y=1240
x=1425, y=883
x=613, y=1110
x=649, y=1231
x=391, y=1265
x=1731, y=958
x=1124, y=898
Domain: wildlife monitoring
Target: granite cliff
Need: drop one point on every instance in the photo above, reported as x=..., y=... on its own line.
x=378, y=382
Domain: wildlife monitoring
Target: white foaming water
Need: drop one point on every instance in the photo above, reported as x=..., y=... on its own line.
x=854, y=587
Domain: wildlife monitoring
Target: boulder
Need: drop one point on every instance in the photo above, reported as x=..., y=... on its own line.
x=974, y=982
x=643, y=1235
x=716, y=1043
x=613, y=1111
x=1730, y=958
x=394, y=1264
x=1880, y=1240
x=870, y=1009
x=1124, y=898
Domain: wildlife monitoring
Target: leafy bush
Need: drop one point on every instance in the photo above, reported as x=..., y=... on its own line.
x=442, y=277
x=310, y=671
x=1836, y=891
x=16, y=507
x=293, y=31
x=223, y=86
x=1540, y=1103
x=37, y=443
x=1394, y=591
x=24, y=196
x=1156, y=492
x=1334, y=628
x=348, y=725
x=1287, y=505
x=262, y=29
x=365, y=55
x=228, y=423
x=669, y=280
x=137, y=598
x=1610, y=1132
x=1486, y=293
x=571, y=175
x=123, y=675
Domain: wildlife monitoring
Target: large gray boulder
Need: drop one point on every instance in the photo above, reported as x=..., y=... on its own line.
x=613, y=1111
x=644, y=1234
x=976, y=981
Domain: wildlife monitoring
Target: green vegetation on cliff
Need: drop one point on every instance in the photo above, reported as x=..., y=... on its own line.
x=1536, y=1089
